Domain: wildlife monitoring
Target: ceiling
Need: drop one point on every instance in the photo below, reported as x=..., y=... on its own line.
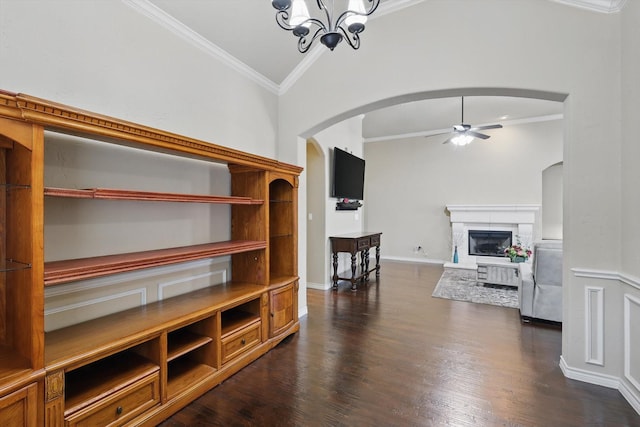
x=207, y=24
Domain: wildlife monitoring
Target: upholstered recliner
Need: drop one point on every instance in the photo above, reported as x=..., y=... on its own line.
x=540, y=290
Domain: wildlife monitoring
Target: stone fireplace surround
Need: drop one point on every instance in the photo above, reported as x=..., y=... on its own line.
x=521, y=220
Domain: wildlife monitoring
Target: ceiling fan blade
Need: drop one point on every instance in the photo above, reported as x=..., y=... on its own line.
x=498, y=126
x=448, y=140
x=477, y=135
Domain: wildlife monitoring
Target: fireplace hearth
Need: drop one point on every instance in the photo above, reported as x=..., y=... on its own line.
x=489, y=242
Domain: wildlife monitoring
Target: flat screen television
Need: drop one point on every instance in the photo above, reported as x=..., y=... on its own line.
x=348, y=176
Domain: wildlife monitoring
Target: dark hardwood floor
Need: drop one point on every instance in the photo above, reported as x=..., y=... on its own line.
x=391, y=355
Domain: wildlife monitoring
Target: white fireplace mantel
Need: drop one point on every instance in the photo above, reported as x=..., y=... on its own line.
x=519, y=219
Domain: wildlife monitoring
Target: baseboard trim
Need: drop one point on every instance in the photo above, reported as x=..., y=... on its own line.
x=590, y=377
x=632, y=398
x=319, y=286
x=414, y=260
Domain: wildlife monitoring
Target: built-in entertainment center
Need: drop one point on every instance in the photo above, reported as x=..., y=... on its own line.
x=135, y=367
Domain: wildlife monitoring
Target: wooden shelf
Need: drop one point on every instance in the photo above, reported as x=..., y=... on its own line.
x=57, y=272
x=234, y=320
x=72, y=346
x=185, y=374
x=114, y=194
x=12, y=364
x=182, y=342
x=11, y=265
x=91, y=383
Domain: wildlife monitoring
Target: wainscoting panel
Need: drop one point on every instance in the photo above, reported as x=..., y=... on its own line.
x=594, y=325
x=631, y=346
x=80, y=301
x=183, y=285
x=98, y=306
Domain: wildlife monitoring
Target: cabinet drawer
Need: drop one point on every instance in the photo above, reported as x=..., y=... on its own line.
x=120, y=407
x=363, y=243
x=375, y=240
x=241, y=341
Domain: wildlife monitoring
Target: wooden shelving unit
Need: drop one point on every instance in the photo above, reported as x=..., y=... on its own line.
x=136, y=366
x=57, y=272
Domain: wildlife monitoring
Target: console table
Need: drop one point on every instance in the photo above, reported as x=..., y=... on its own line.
x=355, y=243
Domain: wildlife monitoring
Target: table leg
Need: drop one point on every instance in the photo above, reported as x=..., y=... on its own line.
x=335, y=270
x=366, y=264
x=377, y=262
x=354, y=267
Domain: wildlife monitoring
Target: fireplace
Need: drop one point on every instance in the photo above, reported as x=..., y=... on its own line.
x=520, y=221
x=489, y=242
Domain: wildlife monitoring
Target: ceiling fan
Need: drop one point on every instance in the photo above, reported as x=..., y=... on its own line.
x=463, y=133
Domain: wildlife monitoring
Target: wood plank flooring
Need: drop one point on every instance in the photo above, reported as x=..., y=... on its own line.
x=391, y=355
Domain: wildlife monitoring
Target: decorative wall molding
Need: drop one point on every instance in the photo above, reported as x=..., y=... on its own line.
x=628, y=379
x=100, y=300
x=594, y=325
x=631, y=320
x=607, y=275
x=181, y=281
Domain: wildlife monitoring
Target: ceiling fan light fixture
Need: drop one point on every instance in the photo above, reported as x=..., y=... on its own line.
x=293, y=15
x=462, y=139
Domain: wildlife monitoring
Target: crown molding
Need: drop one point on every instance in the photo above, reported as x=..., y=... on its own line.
x=603, y=6
x=151, y=11
x=156, y=14
x=317, y=51
x=448, y=130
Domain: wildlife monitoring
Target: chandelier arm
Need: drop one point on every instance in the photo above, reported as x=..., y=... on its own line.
x=305, y=42
x=323, y=7
x=352, y=38
x=282, y=18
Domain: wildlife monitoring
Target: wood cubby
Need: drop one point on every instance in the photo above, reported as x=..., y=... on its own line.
x=135, y=366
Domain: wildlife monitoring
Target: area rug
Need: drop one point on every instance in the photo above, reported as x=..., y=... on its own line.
x=459, y=285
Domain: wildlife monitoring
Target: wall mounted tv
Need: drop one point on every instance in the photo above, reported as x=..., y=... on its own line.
x=348, y=176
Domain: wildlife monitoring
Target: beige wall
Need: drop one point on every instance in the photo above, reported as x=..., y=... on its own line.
x=106, y=57
x=346, y=135
x=575, y=57
x=552, y=202
x=410, y=182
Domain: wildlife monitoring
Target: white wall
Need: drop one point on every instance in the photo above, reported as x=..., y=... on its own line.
x=410, y=182
x=543, y=49
x=552, y=202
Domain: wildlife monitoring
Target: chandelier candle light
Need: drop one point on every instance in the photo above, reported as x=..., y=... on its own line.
x=293, y=15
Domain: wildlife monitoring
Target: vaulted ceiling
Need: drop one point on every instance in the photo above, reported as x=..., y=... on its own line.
x=208, y=24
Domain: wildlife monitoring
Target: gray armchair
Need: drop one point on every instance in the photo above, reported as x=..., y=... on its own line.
x=540, y=290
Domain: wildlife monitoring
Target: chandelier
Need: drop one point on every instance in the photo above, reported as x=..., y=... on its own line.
x=293, y=15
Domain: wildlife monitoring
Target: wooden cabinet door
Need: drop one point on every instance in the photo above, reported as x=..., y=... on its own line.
x=282, y=309
x=19, y=408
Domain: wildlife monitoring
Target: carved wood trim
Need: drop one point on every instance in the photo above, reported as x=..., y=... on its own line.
x=70, y=119
x=54, y=385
